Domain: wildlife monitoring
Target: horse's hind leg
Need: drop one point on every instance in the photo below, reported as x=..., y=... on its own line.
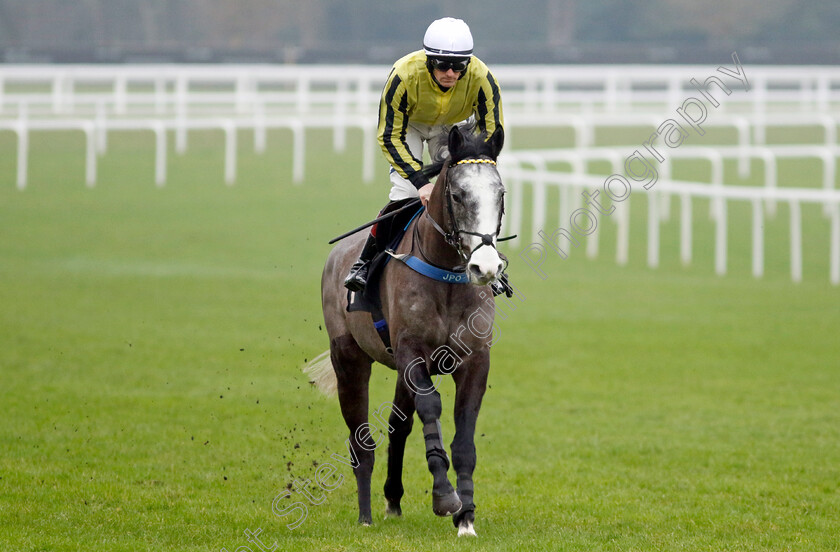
x=412, y=368
x=352, y=370
x=470, y=384
x=399, y=427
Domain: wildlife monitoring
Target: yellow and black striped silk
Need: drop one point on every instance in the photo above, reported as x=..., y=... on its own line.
x=411, y=95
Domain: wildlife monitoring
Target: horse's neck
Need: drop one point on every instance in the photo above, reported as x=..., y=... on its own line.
x=434, y=245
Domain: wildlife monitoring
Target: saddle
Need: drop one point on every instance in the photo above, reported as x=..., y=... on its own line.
x=389, y=234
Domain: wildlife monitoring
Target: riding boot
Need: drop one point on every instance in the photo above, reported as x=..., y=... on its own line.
x=357, y=278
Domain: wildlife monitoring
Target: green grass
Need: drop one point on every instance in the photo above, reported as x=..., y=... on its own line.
x=151, y=340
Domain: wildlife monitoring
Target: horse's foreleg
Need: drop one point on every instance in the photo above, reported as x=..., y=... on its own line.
x=470, y=384
x=352, y=369
x=413, y=368
x=399, y=427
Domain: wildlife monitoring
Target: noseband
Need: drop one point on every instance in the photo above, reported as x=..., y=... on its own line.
x=453, y=237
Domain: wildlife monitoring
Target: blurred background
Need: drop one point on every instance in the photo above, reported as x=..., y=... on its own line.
x=378, y=31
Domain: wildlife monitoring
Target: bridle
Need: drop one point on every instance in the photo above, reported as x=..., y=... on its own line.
x=453, y=237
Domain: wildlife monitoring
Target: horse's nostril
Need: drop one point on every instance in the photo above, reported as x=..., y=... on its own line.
x=501, y=267
x=475, y=270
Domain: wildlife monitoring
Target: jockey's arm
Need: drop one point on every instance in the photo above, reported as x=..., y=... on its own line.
x=393, y=122
x=488, y=105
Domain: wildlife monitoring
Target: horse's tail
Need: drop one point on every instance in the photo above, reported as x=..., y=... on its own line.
x=321, y=374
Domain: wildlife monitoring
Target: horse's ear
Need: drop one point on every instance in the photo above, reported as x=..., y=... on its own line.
x=496, y=141
x=456, y=141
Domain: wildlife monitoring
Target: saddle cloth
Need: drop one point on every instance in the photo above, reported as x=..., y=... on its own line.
x=389, y=234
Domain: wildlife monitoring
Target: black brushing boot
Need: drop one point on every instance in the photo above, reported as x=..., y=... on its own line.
x=501, y=286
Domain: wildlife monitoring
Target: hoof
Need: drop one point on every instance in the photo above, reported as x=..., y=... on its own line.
x=446, y=505
x=365, y=521
x=393, y=510
x=466, y=529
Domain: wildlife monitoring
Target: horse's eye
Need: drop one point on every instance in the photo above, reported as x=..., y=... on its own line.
x=456, y=198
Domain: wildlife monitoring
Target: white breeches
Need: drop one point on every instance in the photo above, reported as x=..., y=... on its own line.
x=435, y=138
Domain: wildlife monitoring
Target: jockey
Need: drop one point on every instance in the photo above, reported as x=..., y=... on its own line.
x=426, y=94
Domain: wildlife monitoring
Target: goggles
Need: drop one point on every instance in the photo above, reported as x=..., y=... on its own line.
x=459, y=65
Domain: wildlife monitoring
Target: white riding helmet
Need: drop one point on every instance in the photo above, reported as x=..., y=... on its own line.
x=448, y=37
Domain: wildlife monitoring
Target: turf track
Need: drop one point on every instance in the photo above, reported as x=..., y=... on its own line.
x=151, y=339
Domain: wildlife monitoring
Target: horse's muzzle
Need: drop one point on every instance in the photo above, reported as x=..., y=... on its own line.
x=485, y=266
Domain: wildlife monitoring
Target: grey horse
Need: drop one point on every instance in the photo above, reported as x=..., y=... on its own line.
x=436, y=327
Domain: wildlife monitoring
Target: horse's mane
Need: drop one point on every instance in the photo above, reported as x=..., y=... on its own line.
x=474, y=145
